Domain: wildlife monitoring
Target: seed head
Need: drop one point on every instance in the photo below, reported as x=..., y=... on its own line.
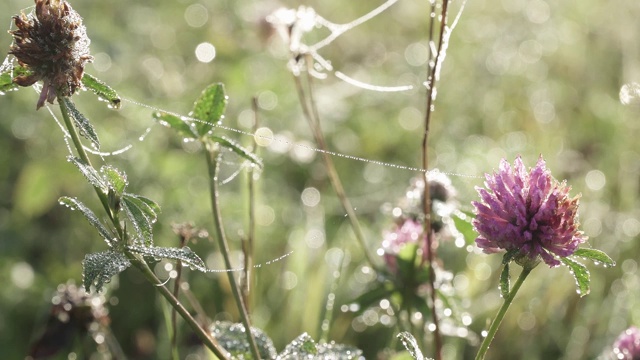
x=52, y=44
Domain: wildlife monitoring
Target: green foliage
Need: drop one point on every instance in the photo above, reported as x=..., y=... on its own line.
x=75, y=204
x=411, y=345
x=597, y=256
x=504, y=281
x=581, y=275
x=232, y=337
x=7, y=73
x=83, y=124
x=142, y=216
x=209, y=108
x=102, y=90
x=463, y=224
x=100, y=267
x=183, y=254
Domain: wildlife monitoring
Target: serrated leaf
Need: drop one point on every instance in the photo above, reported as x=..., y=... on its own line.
x=233, y=338
x=335, y=351
x=75, y=204
x=183, y=254
x=141, y=222
x=181, y=126
x=302, y=347
x=116, y=179
x=89, y=173
x=595, y=255
x=82, y=123
x=462, y=222
x=99, y=268
x=505, y=287
x=411, y=345
x=209, y=108
x=237, y=148
x=580, y=273
x=102, y=90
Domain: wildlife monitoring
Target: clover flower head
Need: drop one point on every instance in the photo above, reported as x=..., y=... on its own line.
x=527, y=212
x=627, y=345
x=52, y=44
x=409, y=232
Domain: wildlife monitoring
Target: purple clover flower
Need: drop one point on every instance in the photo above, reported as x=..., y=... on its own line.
x=627, y=345
x=410, y=232
x=528, y=212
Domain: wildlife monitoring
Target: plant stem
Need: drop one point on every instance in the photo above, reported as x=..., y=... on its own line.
x=311, y=114
x=431, y=84
x=213, y=164
x=136, y=261
x=176, y=291
x=495, y=324
x=200, y=332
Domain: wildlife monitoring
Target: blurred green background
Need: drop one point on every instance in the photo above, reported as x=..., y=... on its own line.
x=524, y=77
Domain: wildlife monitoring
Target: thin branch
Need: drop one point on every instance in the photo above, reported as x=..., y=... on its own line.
x=311, y=114
x=433, y=70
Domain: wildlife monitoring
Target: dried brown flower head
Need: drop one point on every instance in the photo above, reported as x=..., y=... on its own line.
x=53, y=45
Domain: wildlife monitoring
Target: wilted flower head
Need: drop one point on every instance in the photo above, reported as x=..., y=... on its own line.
x=529, y=212
x=410, y=232
x=627, y=345
x=53, y=46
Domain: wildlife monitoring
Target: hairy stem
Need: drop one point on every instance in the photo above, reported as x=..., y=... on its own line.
x=495, y=324
x=136, y=261
x=213, y=165
x=311, y=114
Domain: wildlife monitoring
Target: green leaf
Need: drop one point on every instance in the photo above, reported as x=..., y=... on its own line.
x=183, y=254
x=236, y=148
x=209, y=108
x=183, y=127
x=303, y=347
x=104, y=91
x=373, y=296
x=411, y=345
x=82, y=123
x=595, y=255
x=338, y=351
x=505, y=287
x=233, y=338
x=580, y=273
x=150, y=208
x=7, y=73
x=141, y=222
x=89, y=173
x=462, y=222
x=75, y=204
x=100, y=267
x=116, y=179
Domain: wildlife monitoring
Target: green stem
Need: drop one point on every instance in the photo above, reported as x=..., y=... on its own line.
x=137, y=262
x=212, y=163
x=500, y=315
x=175, y=303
